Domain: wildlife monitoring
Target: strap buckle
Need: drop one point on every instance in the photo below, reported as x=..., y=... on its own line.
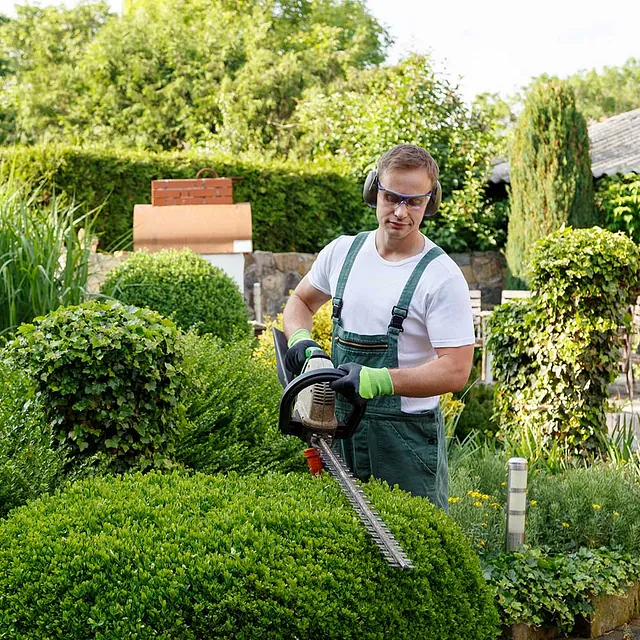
x=337, y=307
x=398, y=315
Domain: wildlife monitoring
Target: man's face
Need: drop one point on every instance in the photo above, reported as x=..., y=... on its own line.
x=404, y=220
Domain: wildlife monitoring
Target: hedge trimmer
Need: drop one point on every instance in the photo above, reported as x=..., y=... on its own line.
x=307, y=411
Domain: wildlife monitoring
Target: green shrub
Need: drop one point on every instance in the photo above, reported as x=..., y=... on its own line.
x=618, y=200
x=232, y=410
x=28, y=464
x=539, y=588
x=594, y=507
x=556, y=353
x=44, y=260
x=108, y=379
x=252, y=557
x=551, y=180
x=183, y=286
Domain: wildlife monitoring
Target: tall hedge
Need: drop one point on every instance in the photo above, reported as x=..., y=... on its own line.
x=551, y=180
x=263, y=557
x=294, y=206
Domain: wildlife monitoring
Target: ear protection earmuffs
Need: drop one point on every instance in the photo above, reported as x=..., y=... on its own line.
x=370, y=194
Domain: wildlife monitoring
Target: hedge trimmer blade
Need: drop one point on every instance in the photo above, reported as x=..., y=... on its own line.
x=375, y=526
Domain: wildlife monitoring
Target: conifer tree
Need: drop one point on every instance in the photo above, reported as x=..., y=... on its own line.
x=551, y=179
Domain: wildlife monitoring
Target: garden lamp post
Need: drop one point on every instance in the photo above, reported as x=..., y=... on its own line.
x=516, y=502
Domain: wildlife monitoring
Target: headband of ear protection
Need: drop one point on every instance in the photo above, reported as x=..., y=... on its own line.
x=370, y=194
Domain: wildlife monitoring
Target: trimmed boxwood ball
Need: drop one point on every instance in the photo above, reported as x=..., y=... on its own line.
x=252, y=557
x=183, y=286
x=108, y=379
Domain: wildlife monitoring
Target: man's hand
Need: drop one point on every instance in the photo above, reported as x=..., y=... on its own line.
x=301, y=348
x=362, y=382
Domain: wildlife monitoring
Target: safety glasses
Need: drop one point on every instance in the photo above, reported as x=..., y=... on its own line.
x=415, y=202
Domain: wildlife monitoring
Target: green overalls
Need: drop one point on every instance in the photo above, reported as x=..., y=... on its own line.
x=407, y=449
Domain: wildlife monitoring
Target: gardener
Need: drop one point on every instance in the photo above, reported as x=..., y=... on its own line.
x=402, y=328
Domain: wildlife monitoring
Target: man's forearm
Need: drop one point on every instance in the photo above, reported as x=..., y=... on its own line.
x=296, y=315
x=449, y=372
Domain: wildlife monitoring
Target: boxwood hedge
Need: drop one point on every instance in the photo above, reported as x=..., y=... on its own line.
x=183, y=286
x=252, y=557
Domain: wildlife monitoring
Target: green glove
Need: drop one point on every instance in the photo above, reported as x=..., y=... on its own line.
x=363, y=382
x=301, y=347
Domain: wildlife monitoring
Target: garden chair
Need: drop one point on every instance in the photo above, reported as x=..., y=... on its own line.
x=513, y=294
x=479, y=324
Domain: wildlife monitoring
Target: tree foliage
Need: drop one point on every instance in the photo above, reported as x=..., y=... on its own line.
x=225, y=73
x=551, y=181
x=606, y=93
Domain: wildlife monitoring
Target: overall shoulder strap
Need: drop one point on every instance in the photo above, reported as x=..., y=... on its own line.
x=400, y=311
x=355, y=247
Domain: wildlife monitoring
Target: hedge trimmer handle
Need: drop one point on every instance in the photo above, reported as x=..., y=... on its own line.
x=290, y=425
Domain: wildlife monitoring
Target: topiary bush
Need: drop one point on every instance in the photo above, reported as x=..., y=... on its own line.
x=183, y=286
x=108, y=379
x=232, y=410
x=252, y=557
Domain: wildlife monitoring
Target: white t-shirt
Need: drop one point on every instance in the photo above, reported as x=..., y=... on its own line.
x=440, y=310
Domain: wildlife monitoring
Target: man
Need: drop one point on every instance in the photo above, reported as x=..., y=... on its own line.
x=403, y=328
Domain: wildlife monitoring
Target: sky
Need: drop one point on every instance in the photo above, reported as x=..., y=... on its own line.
x=499, y=46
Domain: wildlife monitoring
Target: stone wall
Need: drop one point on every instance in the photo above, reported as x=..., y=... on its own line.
x=279, y=273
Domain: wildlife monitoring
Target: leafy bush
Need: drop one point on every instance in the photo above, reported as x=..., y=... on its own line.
x=232, y=410
x=618, y=200
x=28, y=464
x=556, y=353
x=250, y=557
x=183, y=286
x=44, y=260
x=543, y=589
x=108, y=379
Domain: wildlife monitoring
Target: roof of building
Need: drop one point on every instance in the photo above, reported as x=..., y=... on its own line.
x=615, y=148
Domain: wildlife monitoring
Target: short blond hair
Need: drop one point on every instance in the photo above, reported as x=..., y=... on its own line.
x=408, y=156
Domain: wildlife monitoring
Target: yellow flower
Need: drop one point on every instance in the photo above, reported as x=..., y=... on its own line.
x=485, y=515
x=596, y=506
x=484, y=524
x=453, y=500
x=481, y=543
x=477, y=504
x=495, y=505
x=503, y=484
x=533, y=502
x=615, y=514
x=565, y=524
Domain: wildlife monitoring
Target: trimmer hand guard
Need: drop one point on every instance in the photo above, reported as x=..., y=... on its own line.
x=290, y=425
